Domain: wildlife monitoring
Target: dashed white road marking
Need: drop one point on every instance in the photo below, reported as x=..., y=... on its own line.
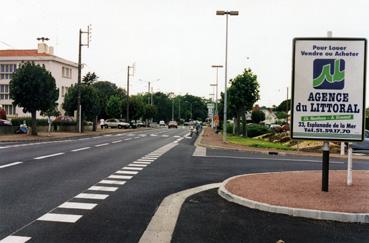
x=199, y=152
x=80, y=149
x=83, y=139
x=75, y=205
x=107, y=135
x=131, y=168
x=165, y=136
x=127, y=139
x=103, y=144
x=15, y=239
x=92, y=196
x=146, y=160
x=153, y=135
x=48, y=156
x=11, y=164
x=136, y=137
x=140, y=162
x=120, y=177
x=65, y=218
x=176, y=136
x=127, y=172
x=103, y=188
x=137, y=165
x=117, y=141
x=112, y=182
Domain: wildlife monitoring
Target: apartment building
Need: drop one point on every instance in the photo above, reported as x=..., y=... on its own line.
x=64, y=72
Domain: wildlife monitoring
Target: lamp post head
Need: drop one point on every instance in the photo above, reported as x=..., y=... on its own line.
x=222, y=12
x=216, y=66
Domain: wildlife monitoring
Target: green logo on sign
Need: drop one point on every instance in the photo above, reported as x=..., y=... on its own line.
x=328, y=73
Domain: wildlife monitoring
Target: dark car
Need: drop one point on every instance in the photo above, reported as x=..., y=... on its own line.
x=362, y=147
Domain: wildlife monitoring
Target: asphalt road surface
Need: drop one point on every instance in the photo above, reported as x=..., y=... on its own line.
x=107, y=188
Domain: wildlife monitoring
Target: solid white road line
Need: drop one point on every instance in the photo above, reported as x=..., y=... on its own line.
x=92, y=196
x=137, y=165
x=80, y=149
x=48, y=156
x=127, y=172
x=131, y=168
x=103, y=144
x=103, y=188
x=65, y=218
x=112, y=182
x=75, y=205
x=11, y=164
x=15, y=239
x=120, y=177
x=118, y=141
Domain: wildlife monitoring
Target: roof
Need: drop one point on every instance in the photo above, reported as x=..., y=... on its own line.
x=21, y=53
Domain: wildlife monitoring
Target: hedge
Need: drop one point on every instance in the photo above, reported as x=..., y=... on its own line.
x=19, y=120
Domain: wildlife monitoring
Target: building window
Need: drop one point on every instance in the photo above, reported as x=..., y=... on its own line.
x=7, y=70
x=66, y=72
x=9, y=109
x=4, y=92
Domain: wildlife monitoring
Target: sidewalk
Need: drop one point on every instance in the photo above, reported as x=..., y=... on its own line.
x=44, y=136
x=215, y=141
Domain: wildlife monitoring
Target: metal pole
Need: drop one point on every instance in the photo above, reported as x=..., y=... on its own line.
x=349, y=164
x=172, y=110
x=216, y=95
x=79, y=82
x=127, y=115
x=148, y=98
x=152, y=98
x=225, y=85
x=325, y=167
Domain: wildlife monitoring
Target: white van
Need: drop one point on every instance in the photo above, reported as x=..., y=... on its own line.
x=162, y=124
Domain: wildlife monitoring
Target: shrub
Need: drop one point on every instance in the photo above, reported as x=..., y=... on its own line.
x=254, y=130
x=19, y=120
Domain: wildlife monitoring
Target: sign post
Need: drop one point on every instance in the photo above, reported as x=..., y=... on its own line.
x=328, y=92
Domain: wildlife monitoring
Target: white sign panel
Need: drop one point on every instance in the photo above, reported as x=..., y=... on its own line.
x=328, y=89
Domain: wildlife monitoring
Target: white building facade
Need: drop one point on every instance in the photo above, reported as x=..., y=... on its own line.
x=64, y=72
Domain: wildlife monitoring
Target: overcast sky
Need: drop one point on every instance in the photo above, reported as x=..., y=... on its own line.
x=177, y=41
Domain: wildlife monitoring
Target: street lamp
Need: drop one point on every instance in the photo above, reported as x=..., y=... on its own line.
x=216, y=85
x=226, y=13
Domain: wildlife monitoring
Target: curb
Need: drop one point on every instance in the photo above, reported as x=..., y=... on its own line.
x=162, y=224
x=199, y=138
x=45, y=139
x=295, y=212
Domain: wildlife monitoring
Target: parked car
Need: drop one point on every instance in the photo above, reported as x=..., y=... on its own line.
x=162, y=123
x=139, y=123
x=172, y=124
x=5, y=122
x=362, y=147
x=112, y=123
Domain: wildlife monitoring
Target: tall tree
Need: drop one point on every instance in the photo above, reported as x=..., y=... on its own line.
x=89, y=78
x=114, y=106
x=243, y=94
x=104, y=90
x=89, y=102
x=34, y=89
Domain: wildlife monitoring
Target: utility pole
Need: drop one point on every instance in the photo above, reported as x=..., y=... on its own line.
x=128, y=75
x=80, y=44
x=148, y=95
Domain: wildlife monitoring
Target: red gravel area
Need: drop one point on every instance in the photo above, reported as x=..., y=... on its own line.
x=303, y=190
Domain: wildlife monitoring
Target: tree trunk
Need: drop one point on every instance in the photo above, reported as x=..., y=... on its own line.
x=238, y=123
x=34, y=123
x=244, y=128
x=94, y=124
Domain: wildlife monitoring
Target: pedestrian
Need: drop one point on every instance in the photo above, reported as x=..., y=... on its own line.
x=102, y=123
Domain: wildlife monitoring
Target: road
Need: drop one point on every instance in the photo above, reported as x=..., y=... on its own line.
x=107, y=188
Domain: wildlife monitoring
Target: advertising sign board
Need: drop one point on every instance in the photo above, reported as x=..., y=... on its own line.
x=328, y=89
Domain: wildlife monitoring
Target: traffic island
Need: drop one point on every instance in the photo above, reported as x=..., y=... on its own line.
x=298, y=193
